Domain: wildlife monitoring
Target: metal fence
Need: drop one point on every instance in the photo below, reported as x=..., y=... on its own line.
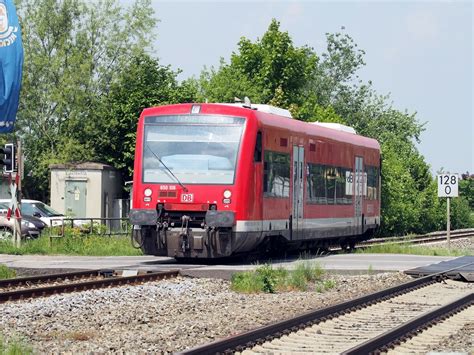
x=88, y=226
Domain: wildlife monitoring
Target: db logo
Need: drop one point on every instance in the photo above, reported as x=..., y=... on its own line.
x=187, y=197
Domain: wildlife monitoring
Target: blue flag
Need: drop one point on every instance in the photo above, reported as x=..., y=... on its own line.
x=11, y=65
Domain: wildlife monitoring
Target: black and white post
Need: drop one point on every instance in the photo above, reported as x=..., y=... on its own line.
x=448, y=187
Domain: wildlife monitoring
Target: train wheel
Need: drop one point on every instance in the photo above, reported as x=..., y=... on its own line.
x=352, y=243
x=343, y=244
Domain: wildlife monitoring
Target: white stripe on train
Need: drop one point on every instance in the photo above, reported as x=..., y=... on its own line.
x=313, y=223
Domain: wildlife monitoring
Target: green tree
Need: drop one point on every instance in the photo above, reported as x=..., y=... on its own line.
x=270, y=71
x=326, y=87
x=74, y=50
x=461, y=214
x=409, y=201
x=336, y=82
x=466, y=189
x=142, y=83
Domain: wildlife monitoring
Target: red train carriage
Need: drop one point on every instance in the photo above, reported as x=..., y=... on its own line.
x=215, y=180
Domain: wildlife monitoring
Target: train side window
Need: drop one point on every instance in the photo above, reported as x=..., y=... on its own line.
x=276, y=174
x=372, y=182
x=326, y=185
x=257, y=154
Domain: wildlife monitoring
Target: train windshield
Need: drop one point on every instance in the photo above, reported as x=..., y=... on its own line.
x=192, y=149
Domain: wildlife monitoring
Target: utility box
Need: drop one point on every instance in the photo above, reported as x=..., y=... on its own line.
x=85, y=190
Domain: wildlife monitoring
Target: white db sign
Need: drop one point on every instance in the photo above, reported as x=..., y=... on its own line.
x=448, y=185
x=187, y=198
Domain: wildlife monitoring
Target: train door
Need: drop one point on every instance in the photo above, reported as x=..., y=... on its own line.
x=298, y=192
x=359, y=191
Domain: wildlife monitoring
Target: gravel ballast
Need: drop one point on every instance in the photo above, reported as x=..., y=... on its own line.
x=172, y=315
x=466, y=244
x=167, y=316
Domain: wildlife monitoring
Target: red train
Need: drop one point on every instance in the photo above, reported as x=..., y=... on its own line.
x=215, y=180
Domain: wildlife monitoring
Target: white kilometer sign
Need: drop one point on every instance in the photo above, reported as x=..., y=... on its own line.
x=448, y=185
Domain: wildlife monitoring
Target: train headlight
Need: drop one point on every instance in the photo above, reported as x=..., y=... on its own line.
x=147, y=192
x=227, y=194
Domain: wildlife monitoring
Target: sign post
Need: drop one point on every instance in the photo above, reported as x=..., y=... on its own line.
x=18, y=178
x=448, y=187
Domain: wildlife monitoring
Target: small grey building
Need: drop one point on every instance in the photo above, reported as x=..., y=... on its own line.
x=85, y=190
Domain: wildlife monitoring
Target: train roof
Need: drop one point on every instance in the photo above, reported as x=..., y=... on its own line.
x=271, y=116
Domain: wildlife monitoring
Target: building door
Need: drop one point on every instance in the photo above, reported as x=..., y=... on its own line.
x=298, y=192
x=359, y=193
x=76, y=198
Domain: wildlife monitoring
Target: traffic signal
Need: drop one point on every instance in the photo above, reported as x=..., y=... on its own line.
x=9, y=160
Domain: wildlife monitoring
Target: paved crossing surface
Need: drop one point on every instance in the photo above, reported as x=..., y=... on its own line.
x=464, y=268
x=340, y=263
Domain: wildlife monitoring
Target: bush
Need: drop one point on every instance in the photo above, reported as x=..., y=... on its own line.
x=263, y=279
x=460, y=213
x=298, y=280
x=269, y=280
x=304, y=272
x=246, y=282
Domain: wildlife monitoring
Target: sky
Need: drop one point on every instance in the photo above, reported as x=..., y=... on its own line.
x=419, y=52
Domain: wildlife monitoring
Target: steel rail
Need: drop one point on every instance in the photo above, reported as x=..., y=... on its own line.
x=416, y=239
x=242, y=341
x=48, y=278
x=87, y=285
x=395, y=336
x=435, y=236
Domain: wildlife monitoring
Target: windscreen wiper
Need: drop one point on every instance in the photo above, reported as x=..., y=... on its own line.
x=168, y=169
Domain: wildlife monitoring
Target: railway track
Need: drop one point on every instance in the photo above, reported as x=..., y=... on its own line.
x=376, y=321
x=45, y=285
x=419, y=239
x=418, y=335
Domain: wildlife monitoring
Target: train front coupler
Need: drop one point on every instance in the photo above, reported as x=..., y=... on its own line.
x=185, y=233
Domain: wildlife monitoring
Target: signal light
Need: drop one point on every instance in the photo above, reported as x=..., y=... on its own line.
x=9, y=161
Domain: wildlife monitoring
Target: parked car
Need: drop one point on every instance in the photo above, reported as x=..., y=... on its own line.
x=39, y=210
x=38, y=223
x=31, y=227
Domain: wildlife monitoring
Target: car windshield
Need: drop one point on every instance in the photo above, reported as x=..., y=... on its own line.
x=197, y=149
x=30, y=208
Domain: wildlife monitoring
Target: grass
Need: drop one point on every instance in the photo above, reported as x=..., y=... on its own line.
x=408, y=248
x=6, y=273
x=324, y=285
x=92, y=245
x=14, y=346
x=370, y=270
x=269, y=280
